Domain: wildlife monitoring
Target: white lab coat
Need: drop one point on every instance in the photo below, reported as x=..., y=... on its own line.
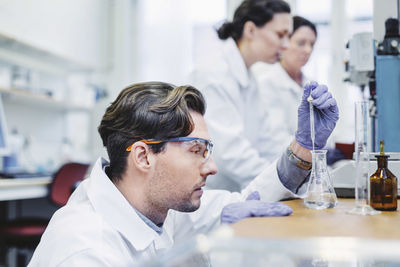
x=236, y=119
x=281, y=95
x=98, y=226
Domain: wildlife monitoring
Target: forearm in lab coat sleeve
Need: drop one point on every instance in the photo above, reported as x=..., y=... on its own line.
x=268, y=184
x=282, y=179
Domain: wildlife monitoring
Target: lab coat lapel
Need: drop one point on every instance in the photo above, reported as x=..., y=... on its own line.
x=248, y=89
x=236, y=63
x=116, y=210
x=163, y=242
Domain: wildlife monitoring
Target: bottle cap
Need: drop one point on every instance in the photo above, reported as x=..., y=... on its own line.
x=382, y=150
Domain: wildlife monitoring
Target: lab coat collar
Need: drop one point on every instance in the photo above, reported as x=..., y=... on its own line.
x=236, y=62
x=108, y=201
x=165, y=241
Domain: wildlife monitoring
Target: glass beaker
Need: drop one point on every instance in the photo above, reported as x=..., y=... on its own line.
x=320, y=193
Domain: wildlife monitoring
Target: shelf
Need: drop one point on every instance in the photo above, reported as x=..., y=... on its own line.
x=24, y=188
x=20, y=52
x=38, y=100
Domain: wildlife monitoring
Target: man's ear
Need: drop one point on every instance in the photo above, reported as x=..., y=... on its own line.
x=141, y=156
x=249, y=29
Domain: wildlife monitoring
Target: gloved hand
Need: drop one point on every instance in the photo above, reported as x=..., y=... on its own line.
x=326, y=114
x=253, y=207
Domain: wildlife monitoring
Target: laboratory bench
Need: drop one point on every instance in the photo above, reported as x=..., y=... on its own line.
x=335, y=222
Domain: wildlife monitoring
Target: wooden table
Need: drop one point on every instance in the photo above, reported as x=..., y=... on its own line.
x=336, y=222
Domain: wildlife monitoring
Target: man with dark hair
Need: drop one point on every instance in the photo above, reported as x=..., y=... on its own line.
x=148, y=196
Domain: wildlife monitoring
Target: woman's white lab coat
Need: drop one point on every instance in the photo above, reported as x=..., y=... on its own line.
x=281, y=95
x=98, y=226
x=236, y=119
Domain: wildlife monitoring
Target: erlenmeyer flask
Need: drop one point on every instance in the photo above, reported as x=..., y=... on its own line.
x=320, y=193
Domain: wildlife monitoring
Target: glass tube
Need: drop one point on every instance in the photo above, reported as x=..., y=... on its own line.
x=362, y=149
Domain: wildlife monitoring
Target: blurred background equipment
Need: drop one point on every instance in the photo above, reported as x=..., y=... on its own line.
x=388, y=88
x=382, y=79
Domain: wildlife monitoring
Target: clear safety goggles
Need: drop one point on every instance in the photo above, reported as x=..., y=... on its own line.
x=201, y=146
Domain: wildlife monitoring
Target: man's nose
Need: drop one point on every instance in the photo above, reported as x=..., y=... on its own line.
x=210, y=167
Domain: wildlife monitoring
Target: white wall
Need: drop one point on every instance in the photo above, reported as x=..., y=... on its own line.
x=164, y=40
x=70, y=28
x=123, y=62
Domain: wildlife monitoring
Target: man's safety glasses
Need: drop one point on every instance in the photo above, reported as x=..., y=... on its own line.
x=201, y=146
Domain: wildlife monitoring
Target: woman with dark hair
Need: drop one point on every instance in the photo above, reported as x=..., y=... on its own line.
x=281, y=84
x=259, y=31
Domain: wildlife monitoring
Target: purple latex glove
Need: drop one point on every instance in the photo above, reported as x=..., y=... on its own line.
x=253, y=207
x=326, y=114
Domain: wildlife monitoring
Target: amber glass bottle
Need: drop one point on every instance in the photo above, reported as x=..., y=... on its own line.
x=383, y=185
